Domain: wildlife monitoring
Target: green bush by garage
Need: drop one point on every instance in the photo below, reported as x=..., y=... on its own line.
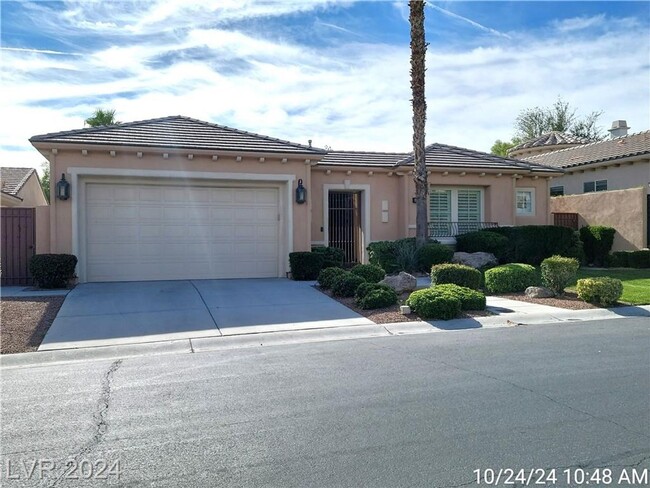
x=52, y=270
x=369, y=272
x=305, y=266
x=328, y=276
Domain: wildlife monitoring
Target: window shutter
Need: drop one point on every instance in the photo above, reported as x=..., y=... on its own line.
x=469, y=206
x=440, y=205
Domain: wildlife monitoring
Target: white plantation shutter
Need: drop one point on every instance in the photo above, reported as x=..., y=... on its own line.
x=469, y=206
x=440, y=205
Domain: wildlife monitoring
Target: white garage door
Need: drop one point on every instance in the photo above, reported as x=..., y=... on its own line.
x=156, y=232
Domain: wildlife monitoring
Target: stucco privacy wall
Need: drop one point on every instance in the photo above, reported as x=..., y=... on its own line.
x=61, y=234
x=624, y=210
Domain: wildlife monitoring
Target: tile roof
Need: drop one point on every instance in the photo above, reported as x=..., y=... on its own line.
x=595, y=152
x=553, y=138
x=177, y=132
x=13, y=179
x=361, y=158
x=442, y=155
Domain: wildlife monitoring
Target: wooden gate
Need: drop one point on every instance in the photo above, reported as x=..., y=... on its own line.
x=345, y=223
x=18, y=245
x=569, y=220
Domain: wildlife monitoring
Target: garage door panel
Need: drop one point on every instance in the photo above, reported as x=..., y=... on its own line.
x=148, y=232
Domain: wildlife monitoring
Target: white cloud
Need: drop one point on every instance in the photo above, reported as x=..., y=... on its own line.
x=351, y=96
x=579, y=23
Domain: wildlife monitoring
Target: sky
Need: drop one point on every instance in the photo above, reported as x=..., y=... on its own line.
x=336, y=72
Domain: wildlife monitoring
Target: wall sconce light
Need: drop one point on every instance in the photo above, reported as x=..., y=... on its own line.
x=301, y=193
x=63, y=188
x=414, y=199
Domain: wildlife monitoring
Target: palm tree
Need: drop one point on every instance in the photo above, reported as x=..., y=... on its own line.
x=418, y=52
x=102, y=117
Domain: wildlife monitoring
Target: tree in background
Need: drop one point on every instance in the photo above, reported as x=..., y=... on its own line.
x=102, y=117
x=418, y=53
x=45, y=180
x=560, y=117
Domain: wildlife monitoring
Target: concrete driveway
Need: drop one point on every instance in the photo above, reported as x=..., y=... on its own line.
x=100, y=314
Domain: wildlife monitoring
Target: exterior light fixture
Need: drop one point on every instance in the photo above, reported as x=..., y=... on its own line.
x=414, y=199
x=63, y=188
x=301, y=193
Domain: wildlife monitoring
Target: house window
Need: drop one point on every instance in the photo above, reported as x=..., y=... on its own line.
x=557, y=191
x=525, y=201
x=463, y=206
x=601, y=185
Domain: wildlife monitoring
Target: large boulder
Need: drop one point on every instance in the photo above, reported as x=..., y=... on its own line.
x=401, y=283
x=539, y=292
x=475, y=259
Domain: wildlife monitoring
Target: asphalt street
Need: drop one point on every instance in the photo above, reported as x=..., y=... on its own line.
x=417, y=410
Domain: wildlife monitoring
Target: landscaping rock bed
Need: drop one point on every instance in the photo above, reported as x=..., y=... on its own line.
x=25, y=322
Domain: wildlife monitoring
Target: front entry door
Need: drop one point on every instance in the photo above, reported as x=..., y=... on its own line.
x=345, y=223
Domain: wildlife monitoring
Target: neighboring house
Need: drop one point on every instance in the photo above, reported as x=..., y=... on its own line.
x=621, y=164
x=178, y=198
x=549, y=141
x=21, y=187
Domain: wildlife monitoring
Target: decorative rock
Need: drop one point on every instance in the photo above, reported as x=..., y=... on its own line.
x=475, y=259
x=404, y=309
x=539, y=292
x=401, y=282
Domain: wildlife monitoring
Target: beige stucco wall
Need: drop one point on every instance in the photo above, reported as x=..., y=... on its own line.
x=31, y=193
x=619, y=177
x=127, y=159
x=42, y=224
x=624, y=210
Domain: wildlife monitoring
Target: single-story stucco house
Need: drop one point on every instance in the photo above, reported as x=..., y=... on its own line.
x=178, y=198
x=20, y=187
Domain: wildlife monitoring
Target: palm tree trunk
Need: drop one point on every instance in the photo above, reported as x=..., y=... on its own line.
x=418, y=53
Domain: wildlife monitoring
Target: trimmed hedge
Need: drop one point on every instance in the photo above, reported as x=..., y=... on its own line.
x=458, y=274
x=483, y=241
x=369, y=272
x=559, y=272
x=531, y=244
x=508, y=278
x=52, y=270
x=629, y=259
x=469, y=299
x=328, y=276
x=601, y=290
x=378, y=297
x=431, y=254
x=305, y=265
x=432, y=304
x=597, y=241
x=332, y=256
x=346, y=285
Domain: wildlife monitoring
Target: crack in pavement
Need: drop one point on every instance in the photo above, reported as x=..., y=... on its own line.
x=99, y=417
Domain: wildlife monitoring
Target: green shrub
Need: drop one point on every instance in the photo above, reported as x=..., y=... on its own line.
x=305, y=265
x=327, y=277
x=483, y=241
x=559, y=272
x=458, y=274
x=619, y=259
x=346, y=285
x=576, y=250
x=469, y=299
x=382, y=254
x=52, y=270
x=431, y=254
x=365, y=288
x=639, y=259
x=601, y=290
x=597, y=241
x=369, y=272
x=378, y=298
x=406, y=255
x=510, y=278
x=431, y=304
x=332, y=256
x=532, y=244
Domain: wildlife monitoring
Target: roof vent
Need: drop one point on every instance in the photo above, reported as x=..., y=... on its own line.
x=619, y=129
x=309, y=141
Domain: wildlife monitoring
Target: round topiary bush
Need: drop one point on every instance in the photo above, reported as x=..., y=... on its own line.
x=430, y=304
x=431, y=254
x=483, y=241
x=327, y=277
x=379, y=297
x=469, y=299
x=366, y=288
x=369, y=272
x=346, y=285
x=559, y=272
x=305, y=266
x=52, y=270
x=509, y=278
x=601, y=290
x=458, y=274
